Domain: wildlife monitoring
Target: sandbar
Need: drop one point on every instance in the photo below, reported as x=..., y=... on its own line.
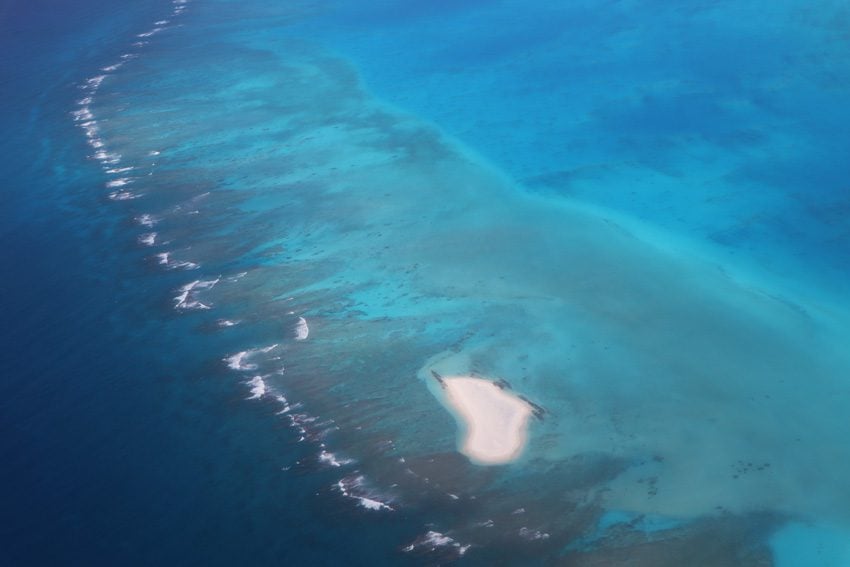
x=494, y=419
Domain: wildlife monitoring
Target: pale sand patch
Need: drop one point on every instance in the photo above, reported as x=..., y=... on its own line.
x=495, y=420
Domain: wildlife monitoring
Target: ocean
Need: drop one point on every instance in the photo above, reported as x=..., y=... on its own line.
x=242, y=238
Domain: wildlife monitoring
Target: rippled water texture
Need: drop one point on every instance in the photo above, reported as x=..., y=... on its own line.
x=692, y=407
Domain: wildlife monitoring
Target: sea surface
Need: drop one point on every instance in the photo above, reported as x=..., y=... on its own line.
x=238, y=236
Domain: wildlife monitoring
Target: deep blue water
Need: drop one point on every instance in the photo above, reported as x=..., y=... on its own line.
x=633, y=212
x=122, y=441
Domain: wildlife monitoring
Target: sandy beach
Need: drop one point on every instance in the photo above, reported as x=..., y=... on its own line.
x=495, y=420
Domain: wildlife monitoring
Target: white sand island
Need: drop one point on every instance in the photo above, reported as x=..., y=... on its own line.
x=495, y=420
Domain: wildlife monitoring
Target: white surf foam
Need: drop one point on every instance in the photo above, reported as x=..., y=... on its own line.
x=121, y=182
x=354, y=487
x=83, y=114
x=148, y=238
x=302, y=331
x=165, y=259
x=149, y=33
x=283, y=401
x=94, y=83
x=107, y=157
x=224, y=323
x=235, y=361
x=240, y=360
x=295, y=422
x=258, y=387
x=308, y=426
x=186, y=297
x=328, y=458
x=433, y=540
x=292, y=407
x=123, y=196
x=146, y=220
x=179, y=7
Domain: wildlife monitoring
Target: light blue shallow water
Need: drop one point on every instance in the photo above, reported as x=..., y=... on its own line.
x=723, y=121
x=631, y=212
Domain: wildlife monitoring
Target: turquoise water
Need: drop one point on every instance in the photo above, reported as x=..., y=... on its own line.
x=630, y=212
x=707, y=119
